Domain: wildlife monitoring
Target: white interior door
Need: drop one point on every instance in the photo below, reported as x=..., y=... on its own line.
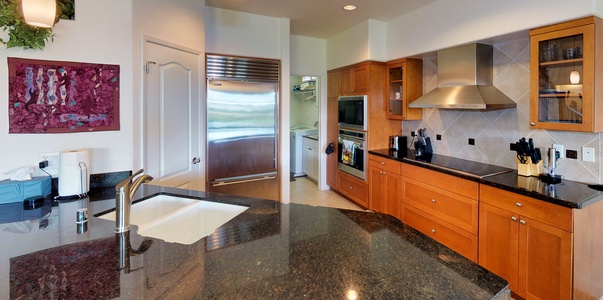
x=172, y=117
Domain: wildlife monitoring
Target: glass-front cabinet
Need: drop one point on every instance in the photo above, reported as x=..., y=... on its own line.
x=404, y=84
x=562, y=83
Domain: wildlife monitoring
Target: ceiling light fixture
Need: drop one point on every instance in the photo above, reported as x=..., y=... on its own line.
x=40, y=13
x=349, y=7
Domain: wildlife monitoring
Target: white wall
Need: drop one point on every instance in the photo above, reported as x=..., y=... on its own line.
x=365, y=41
x=443, y=24
x=101, y=33
x=236, y=33
x=166, y=21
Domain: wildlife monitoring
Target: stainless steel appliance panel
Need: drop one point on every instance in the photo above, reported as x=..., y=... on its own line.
x=352, y=152
x=352, y=112
x=241, y=129
x=264, y=186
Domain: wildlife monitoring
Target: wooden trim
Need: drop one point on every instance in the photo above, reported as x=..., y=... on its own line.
x=564, y=25
x=588, y=252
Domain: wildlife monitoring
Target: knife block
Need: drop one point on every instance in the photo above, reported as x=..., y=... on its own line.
x=529, y=168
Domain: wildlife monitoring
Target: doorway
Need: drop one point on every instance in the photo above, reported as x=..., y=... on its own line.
x=304, y=131
x=172, y=113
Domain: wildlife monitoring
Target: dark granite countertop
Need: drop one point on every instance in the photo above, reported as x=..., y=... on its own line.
x=270, y=251
x=568, y=193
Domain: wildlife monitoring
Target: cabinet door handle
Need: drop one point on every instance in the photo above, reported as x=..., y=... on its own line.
x=514, y=219
x=351, y=188
x=433, y=201
x=532, y=123
x=433, y=230
x=383, y=173
x=382, y=162
x=522, y=221
x=518, y=204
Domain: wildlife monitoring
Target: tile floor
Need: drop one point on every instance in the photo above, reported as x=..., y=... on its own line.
x=305, y=191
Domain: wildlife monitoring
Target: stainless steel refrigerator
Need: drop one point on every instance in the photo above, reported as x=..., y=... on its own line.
x=242, y=147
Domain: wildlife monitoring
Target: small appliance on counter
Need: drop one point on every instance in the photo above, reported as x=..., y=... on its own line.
x=550, y=176
x=74, y=174
x=423, y=143
x=398, y=143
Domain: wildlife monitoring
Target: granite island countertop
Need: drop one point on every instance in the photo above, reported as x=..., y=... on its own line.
x=271, y=251
x=567, y=193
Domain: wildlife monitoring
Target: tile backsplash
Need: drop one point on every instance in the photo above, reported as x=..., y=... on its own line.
x=493, y=131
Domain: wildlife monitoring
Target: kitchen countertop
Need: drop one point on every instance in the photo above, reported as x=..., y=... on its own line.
x=568, y=193
x=312, y=136
x=270, y=251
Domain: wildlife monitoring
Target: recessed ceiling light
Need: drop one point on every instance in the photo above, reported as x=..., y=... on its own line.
x=349, y=7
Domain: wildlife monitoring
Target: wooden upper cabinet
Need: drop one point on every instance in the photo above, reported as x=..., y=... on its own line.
x=565, y=71
x=404, y=84
x=354, y=80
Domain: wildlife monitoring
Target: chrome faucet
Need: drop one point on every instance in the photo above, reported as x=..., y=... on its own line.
x=124, y=192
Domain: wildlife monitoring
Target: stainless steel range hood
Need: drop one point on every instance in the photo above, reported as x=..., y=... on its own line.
x=465, y=81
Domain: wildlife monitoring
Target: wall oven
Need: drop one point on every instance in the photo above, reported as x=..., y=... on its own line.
x=352, y=112
x=352, y=152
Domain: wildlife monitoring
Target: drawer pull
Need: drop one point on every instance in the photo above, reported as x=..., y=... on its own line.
x=522, y=221
x=514, y=219
x=383, y=173
x=518, y=204
x=433, y=230
x=382, y=162
x=433, y=201
x=351, y=187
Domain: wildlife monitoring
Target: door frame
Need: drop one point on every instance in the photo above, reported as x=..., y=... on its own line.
x=321, y=101
x=202, y=116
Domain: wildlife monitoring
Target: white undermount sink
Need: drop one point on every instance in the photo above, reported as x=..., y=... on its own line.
x=177, y=219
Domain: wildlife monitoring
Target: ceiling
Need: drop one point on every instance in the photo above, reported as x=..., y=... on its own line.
x=322, y=18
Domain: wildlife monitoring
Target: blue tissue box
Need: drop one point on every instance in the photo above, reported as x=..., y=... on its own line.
x=16, y=191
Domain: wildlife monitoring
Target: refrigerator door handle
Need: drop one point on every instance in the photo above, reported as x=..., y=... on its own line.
x=223, y=183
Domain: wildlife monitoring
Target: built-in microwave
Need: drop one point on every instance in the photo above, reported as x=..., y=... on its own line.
x=352, y=112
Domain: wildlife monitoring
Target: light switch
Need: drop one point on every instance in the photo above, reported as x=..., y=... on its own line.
x=588, y=154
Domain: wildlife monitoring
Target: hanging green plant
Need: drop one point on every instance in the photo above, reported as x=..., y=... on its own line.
x=20, y=34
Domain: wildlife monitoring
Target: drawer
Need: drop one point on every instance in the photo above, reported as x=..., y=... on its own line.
x=308, y=142
x=355, y=189
x=456, y=239
x=458, y=210
x=548, y=213
x=386, y=164
x=446, y=182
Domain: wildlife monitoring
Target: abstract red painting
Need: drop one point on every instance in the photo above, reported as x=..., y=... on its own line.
x=62, y=97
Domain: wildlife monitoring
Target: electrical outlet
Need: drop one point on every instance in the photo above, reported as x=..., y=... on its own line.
x=53, y=162
x=559, y=148
x=588, y=154
x=571, y=154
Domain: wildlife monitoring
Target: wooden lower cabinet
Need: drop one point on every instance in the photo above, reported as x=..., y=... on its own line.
x=354, y=189
x=443, y=207
x=385, y=186
x=459, y=240
x=521, y=246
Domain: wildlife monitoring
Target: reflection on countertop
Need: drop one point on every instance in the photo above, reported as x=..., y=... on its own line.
x=272, y=250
